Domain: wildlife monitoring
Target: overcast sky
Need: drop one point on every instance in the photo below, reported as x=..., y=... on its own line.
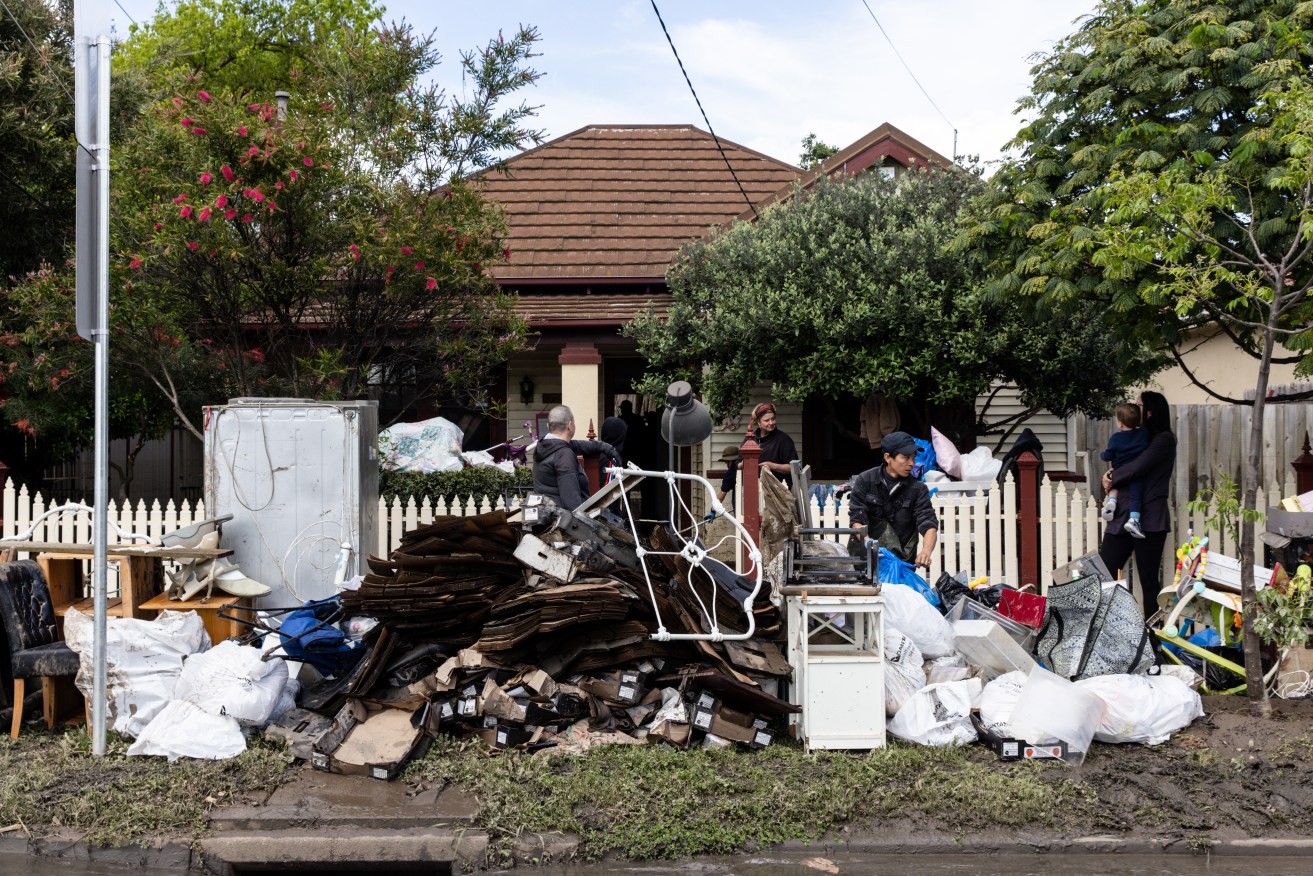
x=768, y=72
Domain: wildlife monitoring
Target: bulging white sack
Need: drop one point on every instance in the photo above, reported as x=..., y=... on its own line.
x=182, y=729
x=908, y=611
x=231, y=679
x=997, y=701
x=1143, y=708
x=143, y=659
x=904, y=670
x=938, y=714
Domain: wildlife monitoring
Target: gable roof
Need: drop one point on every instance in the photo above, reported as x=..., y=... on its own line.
x=883, y=146
x=618, y=201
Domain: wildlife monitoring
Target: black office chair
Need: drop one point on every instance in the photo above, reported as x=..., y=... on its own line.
x=35, y=650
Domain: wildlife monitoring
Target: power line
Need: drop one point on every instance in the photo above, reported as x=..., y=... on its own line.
x=124, y=11
x=712, y=131
x=913, y=75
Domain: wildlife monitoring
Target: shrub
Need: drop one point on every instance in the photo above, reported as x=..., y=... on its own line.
x=481, y=482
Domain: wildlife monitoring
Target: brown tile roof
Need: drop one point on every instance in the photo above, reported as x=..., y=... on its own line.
x=545, y=308
x=618, y=201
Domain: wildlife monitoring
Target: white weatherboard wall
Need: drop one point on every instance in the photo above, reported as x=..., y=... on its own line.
x=300, y=478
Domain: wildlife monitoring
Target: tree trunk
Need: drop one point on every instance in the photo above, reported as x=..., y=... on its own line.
x=1255, y=685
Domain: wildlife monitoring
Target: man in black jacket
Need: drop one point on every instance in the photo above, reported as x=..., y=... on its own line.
x=890, y=506
x=556, y=470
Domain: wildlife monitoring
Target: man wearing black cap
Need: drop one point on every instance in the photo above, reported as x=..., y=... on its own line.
x=890, y=506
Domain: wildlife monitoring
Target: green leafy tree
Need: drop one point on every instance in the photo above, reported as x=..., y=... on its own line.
x=36, y=135
x=855, y=286
x=814, y=152
x=1164, y=177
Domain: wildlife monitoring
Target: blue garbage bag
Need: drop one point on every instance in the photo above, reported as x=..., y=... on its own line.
x=925, y=459
x=895, y=571
x=310, y=636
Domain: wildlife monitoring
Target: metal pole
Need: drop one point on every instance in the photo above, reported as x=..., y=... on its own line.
x=99, y=520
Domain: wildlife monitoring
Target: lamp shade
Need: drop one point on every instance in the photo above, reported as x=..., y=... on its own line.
x=685, y=421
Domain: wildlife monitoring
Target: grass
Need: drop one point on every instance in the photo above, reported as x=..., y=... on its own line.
x=50, y=780
x=647, y=802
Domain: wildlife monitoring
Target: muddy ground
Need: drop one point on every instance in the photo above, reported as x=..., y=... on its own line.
x=1229, y=775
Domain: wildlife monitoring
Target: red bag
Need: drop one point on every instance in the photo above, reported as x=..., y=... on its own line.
x=1022, y=607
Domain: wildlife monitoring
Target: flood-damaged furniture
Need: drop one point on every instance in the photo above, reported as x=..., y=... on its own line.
x=35, y=649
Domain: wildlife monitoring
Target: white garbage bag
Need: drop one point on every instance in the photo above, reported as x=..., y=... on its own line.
x=426, y=446
x=938, y=714
x=904, y=670
x=1051, y=706
x=183, y=729
x=997, y=701
x=231, y=679
x=908, y=611
x=980, y=465
x=143, y=659
x=954, y=667
x=1143, y=708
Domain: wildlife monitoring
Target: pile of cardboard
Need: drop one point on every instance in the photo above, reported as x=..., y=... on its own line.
x=542, y=637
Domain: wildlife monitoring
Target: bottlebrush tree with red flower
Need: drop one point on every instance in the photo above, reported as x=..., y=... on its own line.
x=336, y=235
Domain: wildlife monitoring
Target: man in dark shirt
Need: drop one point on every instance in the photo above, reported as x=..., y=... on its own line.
x=890, y=506
x=556, y=470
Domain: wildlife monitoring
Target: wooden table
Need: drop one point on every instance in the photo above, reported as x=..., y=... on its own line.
x=218, y=628
x=141, y=573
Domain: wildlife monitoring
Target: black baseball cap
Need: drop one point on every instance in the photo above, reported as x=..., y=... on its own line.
x=899, y=442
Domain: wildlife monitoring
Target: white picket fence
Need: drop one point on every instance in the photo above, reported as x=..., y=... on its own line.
x=977, y=531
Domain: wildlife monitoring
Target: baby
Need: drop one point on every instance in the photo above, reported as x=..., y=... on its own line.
x=1125, y=444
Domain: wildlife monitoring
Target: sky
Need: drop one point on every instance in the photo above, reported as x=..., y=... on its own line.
x=767, y=72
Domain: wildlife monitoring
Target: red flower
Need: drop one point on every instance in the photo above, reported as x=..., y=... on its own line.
x=221, y=201
x=185, y=212
x=186, y=123
x=506, y=253
x=257, y=354
x=227, y=172
x=279, y=185
x=205, y=178
x=293, y=175
x=134, y=264
x=253, y=151
x=247, y=217
x=253, y=107
x=158, y=226
x=204, y=215
x=475, y=266
x=419, y=266
x=242, y=131
x=203, y=96
x=405, y=250
x=228, y=214
x=180, y=198
x=255, y=195
x=198, y=131
x=430, y=284
x=308, y=161
x=193, y=246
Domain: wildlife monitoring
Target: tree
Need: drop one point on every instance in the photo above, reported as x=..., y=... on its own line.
x=814, y=152
x=336, y=249
x=1164, y=177
x=854, y=286
x=36, y=133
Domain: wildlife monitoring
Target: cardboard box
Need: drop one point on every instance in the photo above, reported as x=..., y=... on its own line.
x=346, y=720
x=300, y=731
x=379, y=746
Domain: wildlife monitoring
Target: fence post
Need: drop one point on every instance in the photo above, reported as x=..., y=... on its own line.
x=1303, y=466
x=750, y=453
x=1028, y=517
x=592, y=465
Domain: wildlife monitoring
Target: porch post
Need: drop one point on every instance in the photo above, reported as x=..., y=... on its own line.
x=592, y=465
x=580, y=377
x=1028, y=518
x=1303, y=466
x=749, y=469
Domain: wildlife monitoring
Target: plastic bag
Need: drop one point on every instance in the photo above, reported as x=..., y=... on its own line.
x=426, y=446
x=231, y=679
x=904, y=670
x=143, y=660
x=907, y=611
x=980, y=465
x=895, y=571
x=925, y=458
x=1141, y=708
x=938, y=714
x=183, y=729
x=997, y=701
x=1051, y=706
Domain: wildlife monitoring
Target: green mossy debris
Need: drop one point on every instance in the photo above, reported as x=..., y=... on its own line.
x=644, y=802
x=51, y=781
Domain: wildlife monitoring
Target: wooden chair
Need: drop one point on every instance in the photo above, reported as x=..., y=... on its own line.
x=35, y=650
